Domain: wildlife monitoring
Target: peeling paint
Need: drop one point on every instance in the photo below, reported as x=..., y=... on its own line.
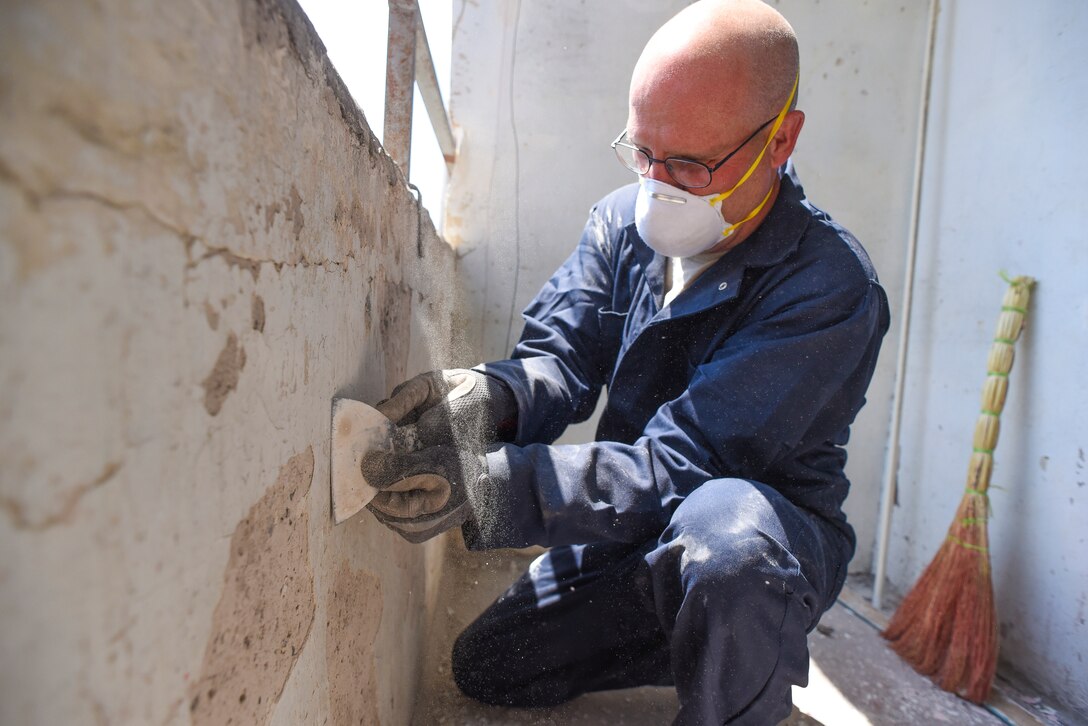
x=270, y=213
x=293, y=213
x=212, y=315
x=257, y=311
x=224, y=375
x=266, y=609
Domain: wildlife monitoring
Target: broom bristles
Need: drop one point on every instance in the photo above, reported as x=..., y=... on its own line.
x=945, y=627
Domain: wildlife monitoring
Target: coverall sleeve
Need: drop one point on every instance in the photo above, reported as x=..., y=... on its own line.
x=751, y=403
x=562, y=360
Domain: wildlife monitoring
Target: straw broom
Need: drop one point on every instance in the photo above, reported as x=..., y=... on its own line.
x=946, y=627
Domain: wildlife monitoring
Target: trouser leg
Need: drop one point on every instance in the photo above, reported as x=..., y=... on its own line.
x=580, y=619
x=739, y=577
x=720, y=605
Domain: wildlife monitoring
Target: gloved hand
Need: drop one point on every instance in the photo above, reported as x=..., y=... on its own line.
x=458, y=407
x=424, y=493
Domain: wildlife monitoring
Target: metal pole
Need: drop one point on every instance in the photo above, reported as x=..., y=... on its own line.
x=400, y=74
x=891, y=467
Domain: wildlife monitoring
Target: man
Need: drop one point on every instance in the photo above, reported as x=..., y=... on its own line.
x=701, y=536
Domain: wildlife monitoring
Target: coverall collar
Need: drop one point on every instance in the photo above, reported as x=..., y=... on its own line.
x=773, y=241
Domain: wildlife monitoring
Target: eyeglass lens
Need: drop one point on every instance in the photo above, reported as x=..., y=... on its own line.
x=685, y=173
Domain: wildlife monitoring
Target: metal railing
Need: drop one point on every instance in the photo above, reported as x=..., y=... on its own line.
x=409, y=63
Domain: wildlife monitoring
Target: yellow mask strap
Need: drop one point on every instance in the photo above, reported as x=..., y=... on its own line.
x=774, y=130
x=729, y=230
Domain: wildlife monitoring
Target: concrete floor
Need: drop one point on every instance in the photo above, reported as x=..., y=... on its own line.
x=854, y=678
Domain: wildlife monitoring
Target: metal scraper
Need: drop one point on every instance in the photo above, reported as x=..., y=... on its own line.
x=357, y=429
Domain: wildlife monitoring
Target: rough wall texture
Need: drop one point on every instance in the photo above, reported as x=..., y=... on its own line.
x=200, y=244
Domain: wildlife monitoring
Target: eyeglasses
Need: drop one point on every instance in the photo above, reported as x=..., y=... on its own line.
x=685, y=172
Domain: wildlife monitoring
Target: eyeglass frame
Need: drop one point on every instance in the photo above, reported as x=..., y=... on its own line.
x=667, y=159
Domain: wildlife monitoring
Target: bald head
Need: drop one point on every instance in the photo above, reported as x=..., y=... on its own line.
x=732, y=57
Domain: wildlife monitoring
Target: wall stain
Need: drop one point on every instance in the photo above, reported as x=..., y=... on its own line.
x=257, y=309
x=266, y=608
x=212, y=314
x=120, y=129
x=368, y=306
x=351, y=225
x=293, y=212
x=19, y=519
x=305, y=362
x=359, y=220
x=224, y=375
x=354, y=614
x=395, y=325
x=270, y=213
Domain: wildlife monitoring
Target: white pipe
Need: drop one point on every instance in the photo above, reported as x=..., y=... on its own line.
x=891, y=463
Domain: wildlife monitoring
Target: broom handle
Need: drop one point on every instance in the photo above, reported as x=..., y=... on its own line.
x=987, y=428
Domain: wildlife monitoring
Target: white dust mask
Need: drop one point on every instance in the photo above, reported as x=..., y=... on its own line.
x=677, y=223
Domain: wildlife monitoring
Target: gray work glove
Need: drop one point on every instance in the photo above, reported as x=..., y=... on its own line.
x=458, y=407
x=424, y=493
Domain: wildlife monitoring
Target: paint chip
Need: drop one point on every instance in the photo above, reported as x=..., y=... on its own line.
x=258, y=313
x=212, y=315
x=224, y=375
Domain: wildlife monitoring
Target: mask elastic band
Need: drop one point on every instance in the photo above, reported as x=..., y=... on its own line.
x=729, y=230
x=774, y=130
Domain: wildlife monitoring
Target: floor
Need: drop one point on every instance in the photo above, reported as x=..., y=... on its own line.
x=854, y=678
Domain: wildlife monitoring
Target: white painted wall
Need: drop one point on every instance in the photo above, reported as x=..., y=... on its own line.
x=1003, y=190
x=540, y=90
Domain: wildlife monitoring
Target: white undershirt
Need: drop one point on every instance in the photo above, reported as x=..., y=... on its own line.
x=680, y=272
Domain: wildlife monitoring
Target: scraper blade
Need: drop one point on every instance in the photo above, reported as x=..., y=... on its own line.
x=357, y=429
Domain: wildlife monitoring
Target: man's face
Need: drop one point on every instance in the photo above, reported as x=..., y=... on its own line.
x=703, y=117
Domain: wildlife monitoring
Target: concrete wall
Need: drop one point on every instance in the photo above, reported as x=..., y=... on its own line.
x=200, y=244
x=1003, y=191
x=540, y=90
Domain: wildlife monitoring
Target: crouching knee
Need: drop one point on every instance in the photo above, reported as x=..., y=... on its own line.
x=726, y=538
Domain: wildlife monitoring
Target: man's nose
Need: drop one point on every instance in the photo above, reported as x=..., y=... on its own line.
x=658, y=172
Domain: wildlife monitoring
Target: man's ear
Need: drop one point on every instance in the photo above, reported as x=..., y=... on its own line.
x=782, y=145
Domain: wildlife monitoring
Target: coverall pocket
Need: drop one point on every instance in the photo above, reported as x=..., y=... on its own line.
x=611, y=323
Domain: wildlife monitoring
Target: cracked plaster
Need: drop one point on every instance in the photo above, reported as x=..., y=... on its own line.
x=142, y=149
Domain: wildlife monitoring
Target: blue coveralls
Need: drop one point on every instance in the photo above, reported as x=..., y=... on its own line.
x=701, y=536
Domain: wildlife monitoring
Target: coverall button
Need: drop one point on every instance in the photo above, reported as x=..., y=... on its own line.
x=723, y=285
